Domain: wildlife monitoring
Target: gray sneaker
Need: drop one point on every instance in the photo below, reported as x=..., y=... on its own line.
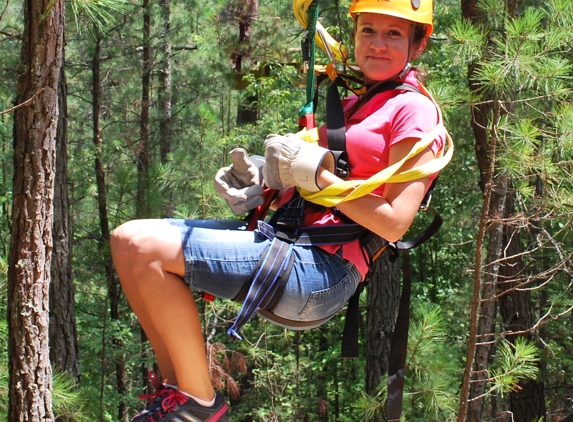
x=191, y=411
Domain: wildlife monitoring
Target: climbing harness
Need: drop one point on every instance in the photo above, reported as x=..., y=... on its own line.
x=267, y=282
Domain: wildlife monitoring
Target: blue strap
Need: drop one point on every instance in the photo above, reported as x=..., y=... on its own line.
x=267, y=280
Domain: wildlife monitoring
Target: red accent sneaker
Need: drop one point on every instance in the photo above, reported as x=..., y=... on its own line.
x=191, y=411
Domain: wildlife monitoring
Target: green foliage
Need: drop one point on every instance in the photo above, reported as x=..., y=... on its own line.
x=432, y=371
x=97, y=12
x=521, y=72
x=432, y=368
x=470, y=39
x=514, y=363
x=374, y=407
x=66, y=399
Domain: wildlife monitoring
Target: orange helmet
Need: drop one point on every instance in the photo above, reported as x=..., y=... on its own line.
x=419, y=11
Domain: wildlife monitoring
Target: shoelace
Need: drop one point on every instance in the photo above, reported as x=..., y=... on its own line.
x=172, y=399
x=162, y=401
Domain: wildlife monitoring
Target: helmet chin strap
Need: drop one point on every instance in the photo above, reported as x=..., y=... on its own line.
x=405, y=71
x=408, y=66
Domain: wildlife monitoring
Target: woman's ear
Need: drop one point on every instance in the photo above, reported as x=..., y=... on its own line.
x=420, y=48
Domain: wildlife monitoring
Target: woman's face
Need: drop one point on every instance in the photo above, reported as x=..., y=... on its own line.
x=382, y=46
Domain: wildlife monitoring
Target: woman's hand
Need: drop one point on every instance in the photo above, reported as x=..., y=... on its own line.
x=240, y=183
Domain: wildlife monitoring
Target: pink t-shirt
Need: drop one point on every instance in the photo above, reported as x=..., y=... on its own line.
x=384, y=120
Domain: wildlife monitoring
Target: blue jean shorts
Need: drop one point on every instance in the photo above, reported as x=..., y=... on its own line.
x=221, y=254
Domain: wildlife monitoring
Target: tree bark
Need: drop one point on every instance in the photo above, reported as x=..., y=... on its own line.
x=142, y=208
x=383, y=299
x=113, y=290
x=483, y=306
x=165, y=126
x=488, y=305
x=527, y=402
x=143, y=153
x=35, y=128
x=245, y=12
x=63, y=331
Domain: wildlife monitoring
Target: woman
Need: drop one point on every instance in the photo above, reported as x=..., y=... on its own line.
x=158, y=260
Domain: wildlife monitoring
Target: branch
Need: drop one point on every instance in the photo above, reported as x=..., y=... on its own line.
x=25, y=103
x=5, y=8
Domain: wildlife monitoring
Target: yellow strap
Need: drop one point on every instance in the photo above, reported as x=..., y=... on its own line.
x=331, y=195
x=309, y=135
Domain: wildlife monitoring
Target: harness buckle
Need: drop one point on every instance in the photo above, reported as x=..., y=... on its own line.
x=292, y=215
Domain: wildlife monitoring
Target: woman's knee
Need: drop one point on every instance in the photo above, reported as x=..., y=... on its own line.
x=133, y=237
x=122, y=235
x=144, y=242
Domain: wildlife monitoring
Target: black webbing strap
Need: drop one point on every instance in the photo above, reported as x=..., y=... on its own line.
x=374, y=245
x=336, y=121
x=336, y=130
x=350, y=348
x=399, y=346
x=267, y=282
x=426, y=234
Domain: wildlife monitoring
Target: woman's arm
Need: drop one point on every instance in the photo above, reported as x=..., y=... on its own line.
x=389, y=216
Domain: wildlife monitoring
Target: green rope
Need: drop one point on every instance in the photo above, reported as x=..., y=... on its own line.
x=312, y=12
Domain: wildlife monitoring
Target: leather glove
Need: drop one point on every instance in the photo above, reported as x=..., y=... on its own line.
x=290, y=161
x=241, y=182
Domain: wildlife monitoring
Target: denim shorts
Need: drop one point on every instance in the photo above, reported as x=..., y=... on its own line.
x=220, y=256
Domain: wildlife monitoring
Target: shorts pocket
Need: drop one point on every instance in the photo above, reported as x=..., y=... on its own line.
x=324, y=303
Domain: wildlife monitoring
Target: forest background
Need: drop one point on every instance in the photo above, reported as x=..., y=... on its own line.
x=153, y=96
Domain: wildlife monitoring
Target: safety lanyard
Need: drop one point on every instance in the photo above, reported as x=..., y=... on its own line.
x=306, y=118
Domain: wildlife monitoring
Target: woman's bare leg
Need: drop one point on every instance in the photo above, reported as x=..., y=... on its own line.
x=149, y=260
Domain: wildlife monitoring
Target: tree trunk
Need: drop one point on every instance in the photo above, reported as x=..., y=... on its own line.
x=35, y=128
x=143, y=153
x=383, y=297
x=113, y=290
x=142, y=208
x=321, y=380
x=495, y=190
x=245, y=12
x=516, y=309
x=488, y=304
x=63, y=331
x=165, y=127
x=483, y=307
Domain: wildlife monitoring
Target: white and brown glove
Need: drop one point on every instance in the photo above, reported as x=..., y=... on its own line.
x=290, y=161
x=241, y=182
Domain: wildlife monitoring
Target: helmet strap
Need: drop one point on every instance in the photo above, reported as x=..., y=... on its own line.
x=405, y=71
x=408, y=65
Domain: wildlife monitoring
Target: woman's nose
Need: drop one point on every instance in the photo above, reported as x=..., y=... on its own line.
x=379, y=43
